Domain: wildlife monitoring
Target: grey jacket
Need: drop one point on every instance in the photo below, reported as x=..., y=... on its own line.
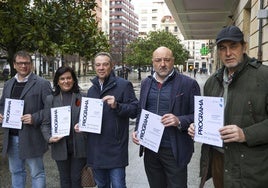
x=31, y=141
x=59, y=149
x=245, y=164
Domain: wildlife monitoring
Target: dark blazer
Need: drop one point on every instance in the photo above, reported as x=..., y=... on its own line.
x=59, y=149
x=181, y=104
x=31, y=141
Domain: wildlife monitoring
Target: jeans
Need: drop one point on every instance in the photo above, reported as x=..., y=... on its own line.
x=17, y=167
x=70, y=171
x=110, y=178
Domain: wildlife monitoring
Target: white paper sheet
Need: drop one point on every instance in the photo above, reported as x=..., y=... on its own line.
x=12, y=113
x=91, y=115
x=60, y=121
x=208, y=119
x=150, y=130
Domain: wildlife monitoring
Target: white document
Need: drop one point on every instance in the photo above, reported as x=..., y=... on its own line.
x=91, y=115
x=12, y=113
x=150, y=130
x=60, y=121
x=208, y=119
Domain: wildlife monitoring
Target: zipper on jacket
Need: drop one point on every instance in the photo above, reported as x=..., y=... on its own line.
x=159, y=86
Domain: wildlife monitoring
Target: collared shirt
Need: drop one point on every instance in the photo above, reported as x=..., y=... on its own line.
x=25, y=79
x=155, y=77
x=227, y=79
x=101, y=85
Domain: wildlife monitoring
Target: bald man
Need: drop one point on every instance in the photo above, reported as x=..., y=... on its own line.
x=170, y=95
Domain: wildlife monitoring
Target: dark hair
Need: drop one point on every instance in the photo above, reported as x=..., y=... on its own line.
x=60, y=71
x=24, y=54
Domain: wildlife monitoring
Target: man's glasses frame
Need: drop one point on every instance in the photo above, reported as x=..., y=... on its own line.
x=23, y=63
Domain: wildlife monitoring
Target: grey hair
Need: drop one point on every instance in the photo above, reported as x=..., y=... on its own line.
x=103, y=54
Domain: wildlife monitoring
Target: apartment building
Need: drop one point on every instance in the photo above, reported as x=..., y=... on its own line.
x=151, y=12
x=123, y=27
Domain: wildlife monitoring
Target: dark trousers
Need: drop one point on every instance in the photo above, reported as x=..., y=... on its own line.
x=70, y=172
x=217, y=167
x=162, y=170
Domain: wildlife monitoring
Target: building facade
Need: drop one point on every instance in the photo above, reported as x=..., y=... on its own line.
x=105, y=16
x=123, y=28
x=168, y=24
x=252, y=18
x=151, y=12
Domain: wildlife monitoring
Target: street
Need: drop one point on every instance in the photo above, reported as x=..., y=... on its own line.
x=135, y=174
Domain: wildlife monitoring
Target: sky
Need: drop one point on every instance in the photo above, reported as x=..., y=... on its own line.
x=137, y=2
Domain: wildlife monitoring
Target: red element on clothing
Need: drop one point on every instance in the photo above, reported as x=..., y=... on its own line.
x=159, y=85
x=78, y=102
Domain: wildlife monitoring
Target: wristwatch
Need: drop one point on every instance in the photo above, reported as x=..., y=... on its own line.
x=179, y=126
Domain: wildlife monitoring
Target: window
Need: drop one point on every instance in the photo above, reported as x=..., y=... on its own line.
x=154, y=10
x=143, y=25
x=143, y=18
x=144, y=11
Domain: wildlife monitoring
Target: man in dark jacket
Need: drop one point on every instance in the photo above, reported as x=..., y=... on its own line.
x=170, y=95
x=26, y=145
x=243, y=82
x=108, y=151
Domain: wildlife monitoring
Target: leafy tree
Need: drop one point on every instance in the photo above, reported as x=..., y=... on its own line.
x=14, y=21
x=50, y=27
x=140, y=51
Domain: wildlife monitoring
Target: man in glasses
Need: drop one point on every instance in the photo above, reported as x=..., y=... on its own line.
x=26, y=145
x=170, y=95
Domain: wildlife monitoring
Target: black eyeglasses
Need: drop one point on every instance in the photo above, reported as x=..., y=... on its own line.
x=23, y=63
